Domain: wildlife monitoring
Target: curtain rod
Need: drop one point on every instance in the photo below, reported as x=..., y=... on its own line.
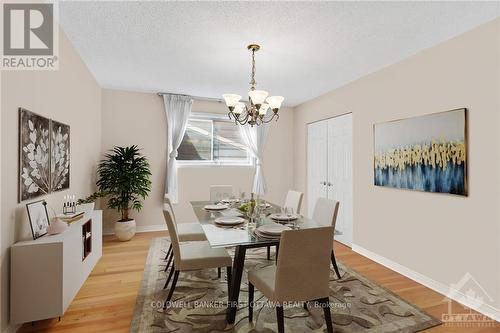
x=209, y=99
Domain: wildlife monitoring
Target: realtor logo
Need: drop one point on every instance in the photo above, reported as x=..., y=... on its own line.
x=29, y=36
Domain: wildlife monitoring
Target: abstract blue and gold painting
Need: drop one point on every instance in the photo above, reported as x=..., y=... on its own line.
x=426, y=153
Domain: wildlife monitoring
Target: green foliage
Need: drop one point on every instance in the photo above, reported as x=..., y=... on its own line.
x=124, y=178
x=91, y=198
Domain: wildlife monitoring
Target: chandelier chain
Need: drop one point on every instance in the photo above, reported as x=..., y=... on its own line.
x=252, y=81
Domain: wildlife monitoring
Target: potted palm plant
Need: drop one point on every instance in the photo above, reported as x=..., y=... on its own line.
x=123, y=177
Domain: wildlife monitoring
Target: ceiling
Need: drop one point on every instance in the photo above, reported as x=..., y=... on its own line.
x=308, y=48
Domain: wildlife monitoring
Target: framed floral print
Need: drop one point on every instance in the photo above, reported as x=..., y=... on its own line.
x=34, y=155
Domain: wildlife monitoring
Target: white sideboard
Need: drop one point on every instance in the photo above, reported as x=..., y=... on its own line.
x=47, y=273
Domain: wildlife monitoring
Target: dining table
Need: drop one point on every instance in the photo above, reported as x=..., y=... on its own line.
x=241, y=238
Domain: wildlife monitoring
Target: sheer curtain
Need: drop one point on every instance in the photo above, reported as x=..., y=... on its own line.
x=177, y=110
x=255, y=139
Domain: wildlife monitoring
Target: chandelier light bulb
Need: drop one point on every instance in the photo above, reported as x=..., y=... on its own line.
x=258, y=96
x=239, y=107
x=231, y=99
x=275, y=101
x=263, y=109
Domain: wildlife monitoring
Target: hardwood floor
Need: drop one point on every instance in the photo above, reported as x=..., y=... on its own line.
x=106, y=301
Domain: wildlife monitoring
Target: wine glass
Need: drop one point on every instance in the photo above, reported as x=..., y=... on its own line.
x=289, y=213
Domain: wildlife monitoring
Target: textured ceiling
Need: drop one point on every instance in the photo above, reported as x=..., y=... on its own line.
x=308, y=48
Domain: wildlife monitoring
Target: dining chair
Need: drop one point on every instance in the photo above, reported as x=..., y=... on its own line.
x=325, y=213
x=301, y=274
x=293, y=200
x=186, y=231
x=192, y=256
x=219, y=192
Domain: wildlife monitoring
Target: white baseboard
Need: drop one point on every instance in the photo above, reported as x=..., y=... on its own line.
x=140, y=228
x=439, y=287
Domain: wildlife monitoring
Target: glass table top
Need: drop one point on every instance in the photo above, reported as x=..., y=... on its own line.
x=240, y=235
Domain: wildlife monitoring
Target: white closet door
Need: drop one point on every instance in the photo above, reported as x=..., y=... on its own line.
x=317, y=150
x=340, y=173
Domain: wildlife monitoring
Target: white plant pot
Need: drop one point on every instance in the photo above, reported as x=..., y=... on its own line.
x=86, y=207
x=124, y=231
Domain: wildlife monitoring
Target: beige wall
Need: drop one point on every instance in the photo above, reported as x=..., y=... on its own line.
x=439, y=236
x=70, y=95
x=138, y=118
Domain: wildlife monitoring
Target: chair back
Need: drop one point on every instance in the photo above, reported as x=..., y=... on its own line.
x=294, y=200
x=168, y=201
x=219, y=192
x=172, y=231
x=303, y=268
x=325, y=212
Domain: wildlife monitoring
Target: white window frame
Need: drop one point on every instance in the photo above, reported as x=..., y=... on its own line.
x=250, y=161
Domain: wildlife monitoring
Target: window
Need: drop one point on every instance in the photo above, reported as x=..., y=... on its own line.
x=212, y=140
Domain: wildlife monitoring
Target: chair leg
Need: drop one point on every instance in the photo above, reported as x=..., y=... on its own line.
x=169, y=261
x=172, y=288
x=305, y=305
x=334, y=263
x=228, y=271
x=250, y=301
x=268, y=253
x=280, y=318
x=168, y=253
x=218, y=272
x=276, y=255
x=325, y=302
x=169, y=276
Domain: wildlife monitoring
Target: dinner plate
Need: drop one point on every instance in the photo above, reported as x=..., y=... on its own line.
x=266, y=236
x=230, y=201
x=283, y=217
x=229, y=220
x=216, y=207
x=272, y=229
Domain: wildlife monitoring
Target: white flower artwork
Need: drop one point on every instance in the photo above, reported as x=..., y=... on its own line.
x=44, y=155
x=34, y=177
x=60, y=157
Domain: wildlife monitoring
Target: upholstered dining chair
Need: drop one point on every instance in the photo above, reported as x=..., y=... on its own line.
x=293, y=200
x=219, y=192
x=192, y=256
x=301, y=274
x=186, y=231
x=325, y=213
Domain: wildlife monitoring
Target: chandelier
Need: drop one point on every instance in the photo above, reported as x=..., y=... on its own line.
x=255, y=111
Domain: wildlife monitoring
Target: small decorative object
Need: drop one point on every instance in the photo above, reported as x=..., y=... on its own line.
x=60, y=156
x=255, y=112
x=34, y=154
x=69, y=204
x=124, y=178
x=57, y=227
x=426, y=153
x=39, y=219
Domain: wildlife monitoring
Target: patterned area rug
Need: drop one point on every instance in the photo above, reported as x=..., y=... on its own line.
x=357, y=304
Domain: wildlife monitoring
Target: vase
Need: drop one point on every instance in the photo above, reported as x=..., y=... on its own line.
x=125, y=230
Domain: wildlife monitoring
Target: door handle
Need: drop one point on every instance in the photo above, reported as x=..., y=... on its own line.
x=330, y=184
x=322, y=183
